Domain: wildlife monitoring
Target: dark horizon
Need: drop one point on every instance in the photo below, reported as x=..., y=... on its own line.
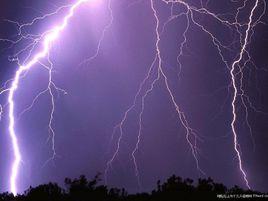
x=173, y=188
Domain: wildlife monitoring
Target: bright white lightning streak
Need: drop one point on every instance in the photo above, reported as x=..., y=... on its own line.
x=121, y=123
x=243, y=41
x=182, y=118
x=49, y=37
x=219, y=46
x=181, y=115
x=140, y=125
x=236, y=62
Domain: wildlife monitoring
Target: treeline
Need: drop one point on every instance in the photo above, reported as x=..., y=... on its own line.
x=174, y=189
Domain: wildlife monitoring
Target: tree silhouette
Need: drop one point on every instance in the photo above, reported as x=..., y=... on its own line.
x=173, y=189
x=51, y=192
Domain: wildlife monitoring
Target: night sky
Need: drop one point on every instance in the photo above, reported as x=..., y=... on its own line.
x=101, y=90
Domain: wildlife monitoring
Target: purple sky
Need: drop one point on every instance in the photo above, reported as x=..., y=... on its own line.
x=100, y=92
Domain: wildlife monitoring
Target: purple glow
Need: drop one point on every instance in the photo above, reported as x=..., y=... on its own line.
x=49, y=37
x=155, y=57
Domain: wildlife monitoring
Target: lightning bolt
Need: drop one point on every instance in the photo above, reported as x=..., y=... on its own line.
x=191, y=136
x=47, y=39
x=156, y=73
x=235, y=63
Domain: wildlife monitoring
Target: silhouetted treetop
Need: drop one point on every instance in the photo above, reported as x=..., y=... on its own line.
x=173, y=189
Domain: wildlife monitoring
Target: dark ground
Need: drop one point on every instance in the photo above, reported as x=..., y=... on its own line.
x=174, y=188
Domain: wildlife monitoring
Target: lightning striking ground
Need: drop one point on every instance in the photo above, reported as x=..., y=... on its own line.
x=234, y=66
x=190, y=133
x=48, y=38
x=236, y=62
